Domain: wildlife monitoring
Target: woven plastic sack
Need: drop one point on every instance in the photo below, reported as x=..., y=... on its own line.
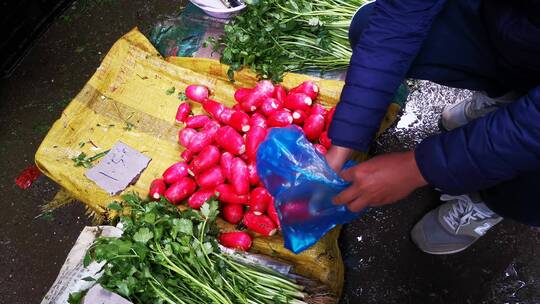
x=303, y=185
x=127, y=99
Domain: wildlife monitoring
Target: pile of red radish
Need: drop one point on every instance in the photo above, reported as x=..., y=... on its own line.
x=221, y=148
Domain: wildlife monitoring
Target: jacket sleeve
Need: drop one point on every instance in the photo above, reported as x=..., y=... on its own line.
x=487, y=151
x=380, y=61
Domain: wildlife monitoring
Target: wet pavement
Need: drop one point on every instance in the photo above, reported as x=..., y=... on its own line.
x=383, y=266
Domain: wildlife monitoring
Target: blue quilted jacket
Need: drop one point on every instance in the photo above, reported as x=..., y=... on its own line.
x=492, y=149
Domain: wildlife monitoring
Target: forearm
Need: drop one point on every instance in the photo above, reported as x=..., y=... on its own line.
x=380, y=61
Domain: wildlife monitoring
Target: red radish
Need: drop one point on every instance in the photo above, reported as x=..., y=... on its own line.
x=226, y=115
x=239, y=176
x=213, y=108
x=280, y=93
x=197, y=93
x=225, y=163
x=325, y=140
x=298, y=101
x=241, y=94
x=183, y=112
x=175, y=172
x=211, y=127
x=329, y=117
x=265, y=88
x=319, y=109
x=185, y=135
x=259, y=223
x=251, y=103
x=180, y=190
x=314, y=126
x=208, y=158
x=187, y=155
x=237, y=107
x=201, y=140
x=253, y=139
x=259, y=199
x=227, y=194
x=295, y=211
x=239, y=121
x=322, y=149
x=257, y=119
x=233, y=213
x=228, y=139
x=197, y=121
x=253, y=176
x=253, y=100
x=157, y=189
x=244, y=157
x=210, y=178
x=272, y=213
x=239, y=240
x=270, y=105
x=307, y=87
x=299, y=117
x=280, y=118
x=198, y=198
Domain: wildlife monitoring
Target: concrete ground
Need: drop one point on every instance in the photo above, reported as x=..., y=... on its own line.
x=383, y=266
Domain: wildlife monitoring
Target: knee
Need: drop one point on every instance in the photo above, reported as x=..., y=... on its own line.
x=359, y=23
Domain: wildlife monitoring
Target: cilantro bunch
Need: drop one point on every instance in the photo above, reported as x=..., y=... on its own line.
x=276, y=36
x=170, y=256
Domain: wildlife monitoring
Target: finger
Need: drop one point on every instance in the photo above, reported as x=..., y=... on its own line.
x=347, y=195
x=358, y=204
x=347, y=174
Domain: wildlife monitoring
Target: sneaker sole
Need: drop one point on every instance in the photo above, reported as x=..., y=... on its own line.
x=445, y=252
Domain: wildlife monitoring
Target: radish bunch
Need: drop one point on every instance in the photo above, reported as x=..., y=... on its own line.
x=221, y=148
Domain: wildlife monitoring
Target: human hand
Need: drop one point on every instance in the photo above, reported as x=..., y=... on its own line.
x=337, y=156
x=381, y=180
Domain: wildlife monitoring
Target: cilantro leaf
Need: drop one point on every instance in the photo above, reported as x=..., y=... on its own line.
x=115, y=206
x=182, y=96
x=143, y=235
x=170, y=90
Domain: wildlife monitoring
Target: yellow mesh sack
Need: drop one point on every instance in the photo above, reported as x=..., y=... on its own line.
x=126, y=100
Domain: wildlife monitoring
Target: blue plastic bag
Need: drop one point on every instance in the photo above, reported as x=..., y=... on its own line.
x=303, y=186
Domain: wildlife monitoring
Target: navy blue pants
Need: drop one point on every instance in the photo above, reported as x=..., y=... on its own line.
x=457, y=54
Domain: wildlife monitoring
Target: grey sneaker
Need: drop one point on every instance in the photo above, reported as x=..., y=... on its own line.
x=454, y=226
x=478, y=105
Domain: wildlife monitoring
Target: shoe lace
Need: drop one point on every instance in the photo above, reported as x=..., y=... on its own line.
x=463, y=211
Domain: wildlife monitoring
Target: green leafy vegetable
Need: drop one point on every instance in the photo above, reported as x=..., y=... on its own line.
x=115, y=206
x=276, y=36
x=82, y=160
x=182, y=96
x=170, y=90
x=169, y=256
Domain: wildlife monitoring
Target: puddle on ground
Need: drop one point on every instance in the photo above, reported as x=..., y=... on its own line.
x=419, y=119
